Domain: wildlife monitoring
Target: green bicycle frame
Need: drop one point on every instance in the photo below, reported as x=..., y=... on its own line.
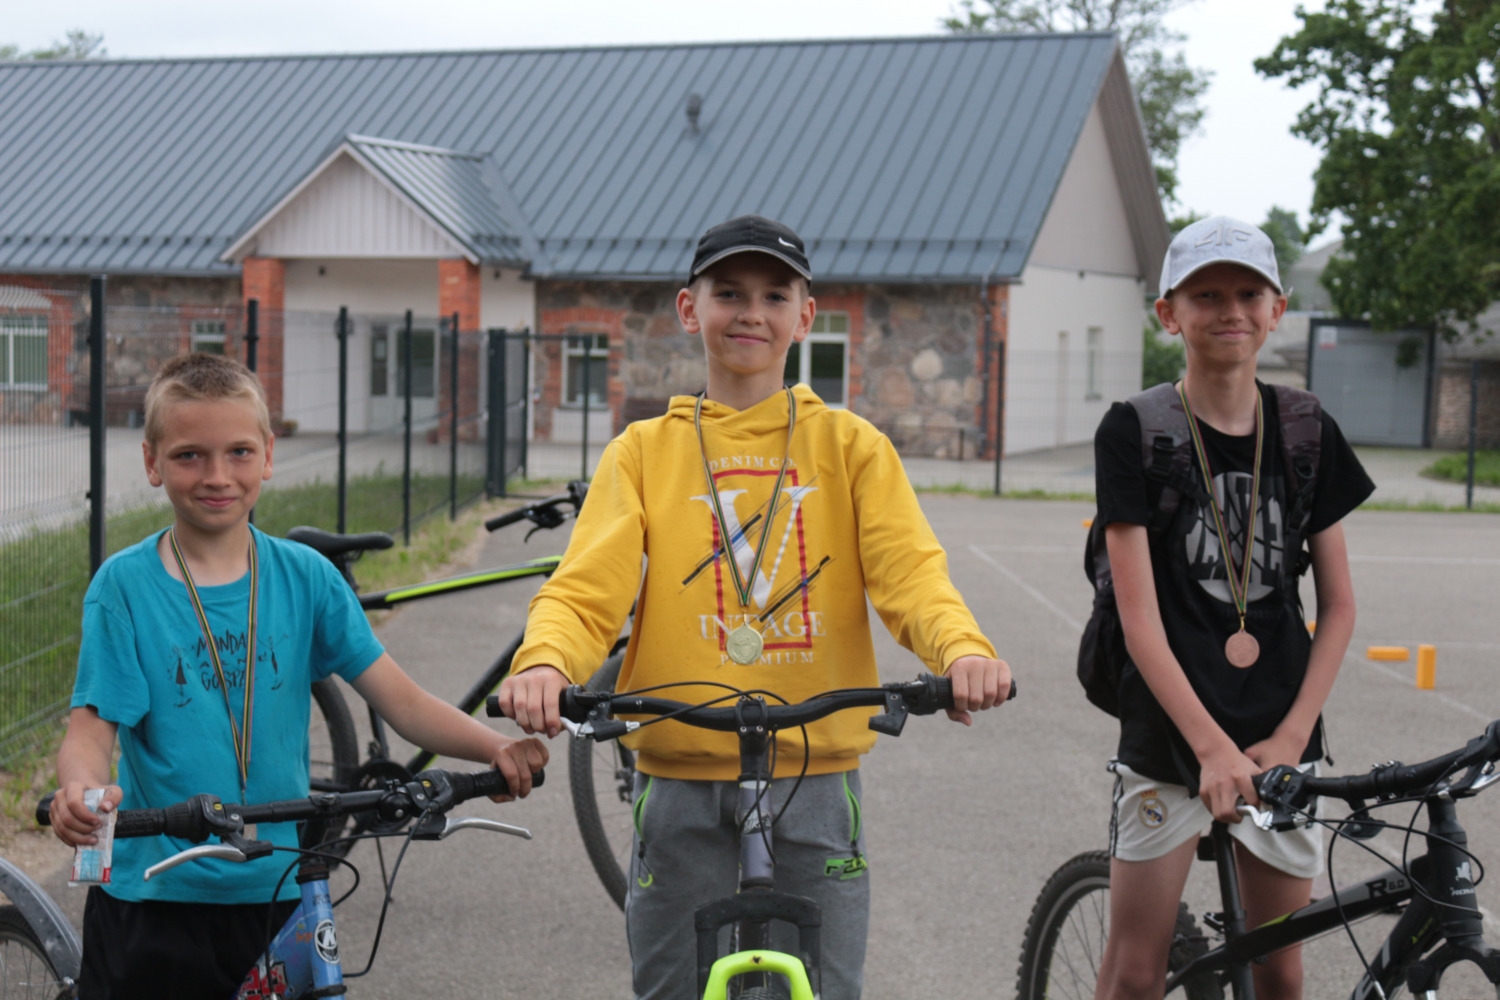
x=384, y=599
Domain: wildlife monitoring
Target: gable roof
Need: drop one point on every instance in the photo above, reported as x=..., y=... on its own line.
x=921, y=159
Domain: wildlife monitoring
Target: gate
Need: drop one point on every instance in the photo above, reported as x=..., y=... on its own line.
x=1378, y=385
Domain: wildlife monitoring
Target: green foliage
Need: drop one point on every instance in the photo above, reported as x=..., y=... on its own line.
x=1167, y=89
x=1161, y=360
x=1456, y=468
x=1408, y=119
x=76, y=44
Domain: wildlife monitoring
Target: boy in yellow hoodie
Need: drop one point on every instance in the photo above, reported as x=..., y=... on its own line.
x=818, y=512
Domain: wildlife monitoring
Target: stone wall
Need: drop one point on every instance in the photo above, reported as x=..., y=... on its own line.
x=912, y=354
x=1450, y=406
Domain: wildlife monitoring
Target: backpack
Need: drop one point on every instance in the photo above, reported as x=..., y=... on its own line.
x=1168, y=460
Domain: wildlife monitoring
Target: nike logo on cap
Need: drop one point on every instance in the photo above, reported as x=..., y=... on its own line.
x=785, y=243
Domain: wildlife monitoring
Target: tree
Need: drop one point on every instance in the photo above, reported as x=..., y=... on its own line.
x=76, y=44
x=1166, y=87
x=1409, y=123
x=1289, y=239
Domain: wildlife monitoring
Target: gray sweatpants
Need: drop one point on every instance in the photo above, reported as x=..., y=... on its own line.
x=692, y=857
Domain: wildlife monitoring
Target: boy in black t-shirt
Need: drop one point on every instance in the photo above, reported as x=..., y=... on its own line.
x=1223, y=681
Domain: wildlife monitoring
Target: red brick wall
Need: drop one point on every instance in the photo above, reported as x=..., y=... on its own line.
x=853, y=303
x=989, y=406
x=458, y=292
x=264, y=279
x=575, y=320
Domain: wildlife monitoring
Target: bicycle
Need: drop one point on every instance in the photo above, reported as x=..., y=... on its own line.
x=1439, y=922
x=588, y=716
x=39, y=950
x=334, y=757
x=302, y=959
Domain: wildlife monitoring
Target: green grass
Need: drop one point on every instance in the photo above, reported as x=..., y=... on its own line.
x=961, y=489
x=1480, y=506
x=1456, y=468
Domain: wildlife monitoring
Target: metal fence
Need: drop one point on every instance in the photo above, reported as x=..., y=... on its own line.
x=380, y=421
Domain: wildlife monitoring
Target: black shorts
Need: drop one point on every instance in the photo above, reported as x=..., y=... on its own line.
x=171, y=951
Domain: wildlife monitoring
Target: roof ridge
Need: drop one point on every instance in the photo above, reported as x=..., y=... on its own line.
x=411, y=147
x=956, y=38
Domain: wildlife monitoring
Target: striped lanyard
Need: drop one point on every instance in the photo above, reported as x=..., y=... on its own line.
x=743, y=584
x=1239, y=589
x=239, y=735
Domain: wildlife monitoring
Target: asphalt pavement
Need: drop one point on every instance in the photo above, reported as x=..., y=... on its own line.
x=964, y=824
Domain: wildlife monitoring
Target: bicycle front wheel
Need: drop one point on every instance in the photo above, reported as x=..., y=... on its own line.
x=1069, y=926
x=25, y=970
x=601, y=776
x=333, y=759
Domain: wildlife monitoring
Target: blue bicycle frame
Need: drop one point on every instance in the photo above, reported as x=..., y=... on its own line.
x=304, y=956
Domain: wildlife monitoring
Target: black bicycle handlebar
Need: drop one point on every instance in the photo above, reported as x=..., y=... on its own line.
x=923, y=696
x=1291, y=789
x=544, y=513
x=202, y=815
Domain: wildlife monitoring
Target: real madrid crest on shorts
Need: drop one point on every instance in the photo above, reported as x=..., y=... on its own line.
x=1152, y=809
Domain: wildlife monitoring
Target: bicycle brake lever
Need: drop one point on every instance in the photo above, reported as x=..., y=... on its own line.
x=225, y=851
x=452, y=826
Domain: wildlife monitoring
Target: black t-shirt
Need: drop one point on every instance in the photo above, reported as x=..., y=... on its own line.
x=1192, y=588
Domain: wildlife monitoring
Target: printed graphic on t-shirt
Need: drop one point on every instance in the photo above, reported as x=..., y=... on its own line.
x=1206, y=557
x=193, y=670
x=781, y=607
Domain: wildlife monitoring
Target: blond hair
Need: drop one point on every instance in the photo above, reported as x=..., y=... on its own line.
x=193, y=377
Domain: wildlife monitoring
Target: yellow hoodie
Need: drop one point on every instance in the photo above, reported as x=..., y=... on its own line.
x=847, y=514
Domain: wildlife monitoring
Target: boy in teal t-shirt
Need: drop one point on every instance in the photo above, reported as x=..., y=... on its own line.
x=275, y=617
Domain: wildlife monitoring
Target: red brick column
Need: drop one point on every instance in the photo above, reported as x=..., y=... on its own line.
x=578, y=320
x=458, y=292
x=994, y=399
x=851, y=301
x=264, y=279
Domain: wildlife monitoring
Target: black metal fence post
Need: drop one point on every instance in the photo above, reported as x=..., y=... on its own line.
x=252, y=334
x=999, y=409
x=588, y=362
x=343, y=473
x=1473, y=431
x=406, y=360
x=525, y=436
x=453, y=424
x=495, y=444
x=96, y=422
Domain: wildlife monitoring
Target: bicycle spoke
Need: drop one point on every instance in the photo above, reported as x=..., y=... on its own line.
x=1087, y=927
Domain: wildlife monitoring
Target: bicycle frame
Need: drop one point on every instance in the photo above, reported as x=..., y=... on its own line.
x=304, y=955
x=1441, y=872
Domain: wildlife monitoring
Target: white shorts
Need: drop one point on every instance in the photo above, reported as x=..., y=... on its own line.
x=1151, y=819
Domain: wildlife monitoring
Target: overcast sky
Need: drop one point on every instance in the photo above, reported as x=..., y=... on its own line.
x=1242, y=162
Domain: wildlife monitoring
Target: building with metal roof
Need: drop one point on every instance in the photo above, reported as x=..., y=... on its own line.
x=961, y=197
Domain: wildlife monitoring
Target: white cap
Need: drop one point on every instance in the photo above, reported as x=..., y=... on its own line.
x=1219, y=240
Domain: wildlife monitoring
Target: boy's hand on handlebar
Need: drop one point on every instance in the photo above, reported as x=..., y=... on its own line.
x=979, y=683
x=72, y=821
x=1226, y=777
x=530, y=698
x=518, y=760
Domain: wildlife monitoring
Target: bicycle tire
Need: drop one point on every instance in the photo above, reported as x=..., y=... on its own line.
x=1066, y=931
x=333, y=759
x=601, y=776
x=25, y=970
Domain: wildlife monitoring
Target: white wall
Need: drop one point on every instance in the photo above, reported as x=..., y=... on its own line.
x=1046, y=372
x=1086, y=226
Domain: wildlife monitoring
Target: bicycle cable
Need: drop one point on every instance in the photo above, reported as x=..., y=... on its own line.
x=385, y=904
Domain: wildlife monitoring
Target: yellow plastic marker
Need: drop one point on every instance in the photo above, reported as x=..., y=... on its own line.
x=1312, y=627
x=1395, y=653
x=1088, y=522
x=1426, y=668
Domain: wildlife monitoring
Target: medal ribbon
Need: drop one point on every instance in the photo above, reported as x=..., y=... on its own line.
x=1239, y=589
x=239, y=736
x=742, y=584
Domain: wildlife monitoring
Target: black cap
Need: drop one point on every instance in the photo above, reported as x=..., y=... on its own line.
x=750, y=232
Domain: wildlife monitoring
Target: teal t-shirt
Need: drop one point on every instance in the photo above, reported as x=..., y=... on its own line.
x=143, y=665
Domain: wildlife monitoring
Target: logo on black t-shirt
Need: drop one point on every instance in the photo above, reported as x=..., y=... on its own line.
x=1206, y=558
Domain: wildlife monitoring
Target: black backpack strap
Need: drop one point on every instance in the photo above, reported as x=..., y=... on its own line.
x=1301, y=418
x=1166, y=450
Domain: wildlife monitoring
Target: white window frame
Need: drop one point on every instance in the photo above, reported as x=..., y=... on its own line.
x=1094, y=387
x=574, y=347
x=209, y=331
x=800, y=355
x=12, y=328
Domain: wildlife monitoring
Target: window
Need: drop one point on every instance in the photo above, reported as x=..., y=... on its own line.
x=385, y=370
x=821, y=362
x=1095, y=346
x=589, y=352
x=208, y=336
x=23, y=351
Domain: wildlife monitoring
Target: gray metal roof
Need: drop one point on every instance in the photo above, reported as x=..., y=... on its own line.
x=922, y=159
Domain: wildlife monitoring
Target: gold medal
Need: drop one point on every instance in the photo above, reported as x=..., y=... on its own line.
x=744, y=645
x=1241, y=650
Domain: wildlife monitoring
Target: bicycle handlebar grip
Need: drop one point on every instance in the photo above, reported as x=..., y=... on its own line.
x=509, y=517
x=471, y=785
x=44, y=809
x=140, y=822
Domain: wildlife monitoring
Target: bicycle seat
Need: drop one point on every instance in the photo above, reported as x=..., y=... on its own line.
x=332, y=545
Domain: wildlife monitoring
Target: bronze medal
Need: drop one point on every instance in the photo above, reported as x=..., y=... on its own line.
x=744, y=645
x=1241, y=650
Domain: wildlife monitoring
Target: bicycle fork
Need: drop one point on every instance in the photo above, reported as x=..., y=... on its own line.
x=303, y=959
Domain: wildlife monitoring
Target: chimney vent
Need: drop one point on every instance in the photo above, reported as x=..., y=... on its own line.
x=694, y=109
